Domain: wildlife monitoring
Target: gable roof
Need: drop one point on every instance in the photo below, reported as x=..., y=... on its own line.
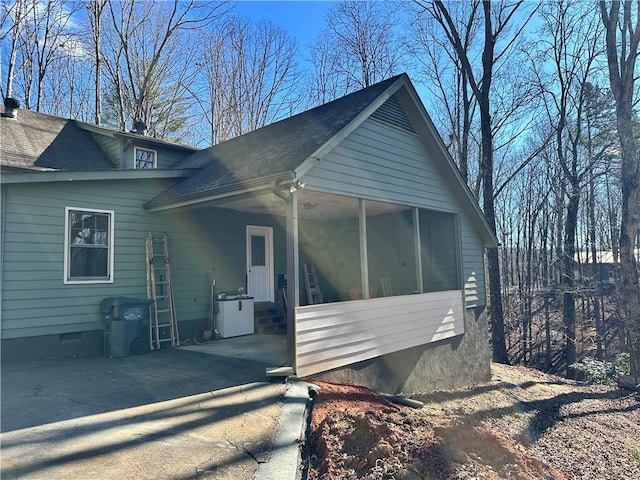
x=286, y=150
x=38, y=142
x=271, y=152
x=278, y=153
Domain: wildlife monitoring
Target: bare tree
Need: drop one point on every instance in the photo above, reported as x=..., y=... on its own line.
x=95, y=10
x=599, y=120
x=623, y=18
x=251, y=74
x=357, y=48
x=23, y=77
x=146, y=49
x=68, y=83
x=497, y=20
x=40, y=34
x=443, y=74
x=12, y=18
x=326, y=83
x=51, y=34
x=571, y=47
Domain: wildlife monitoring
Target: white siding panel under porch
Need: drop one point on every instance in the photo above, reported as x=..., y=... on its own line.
x=334, y=335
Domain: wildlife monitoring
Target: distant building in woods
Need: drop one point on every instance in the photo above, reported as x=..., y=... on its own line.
x=603, y=271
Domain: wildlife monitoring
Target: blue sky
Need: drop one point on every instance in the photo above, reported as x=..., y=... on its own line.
x=303, y=20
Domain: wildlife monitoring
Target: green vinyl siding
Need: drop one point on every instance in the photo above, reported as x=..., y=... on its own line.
x=121, y=151
x=112, y=146
x=203, y=244
x=35, y=300
x=380, y=163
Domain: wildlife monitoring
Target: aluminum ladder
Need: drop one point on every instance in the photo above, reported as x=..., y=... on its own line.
x=163, y=326
x=314, y=295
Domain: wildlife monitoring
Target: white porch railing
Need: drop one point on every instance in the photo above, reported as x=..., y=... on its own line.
x=333, y=335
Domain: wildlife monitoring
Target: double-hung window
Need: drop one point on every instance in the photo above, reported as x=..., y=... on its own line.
x=88, y=255
x=145, y=159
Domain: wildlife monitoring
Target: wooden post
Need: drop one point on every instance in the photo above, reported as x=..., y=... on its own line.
x=293, y=282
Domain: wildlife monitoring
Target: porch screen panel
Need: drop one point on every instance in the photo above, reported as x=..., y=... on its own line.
x=440, y=258
x=392, y=269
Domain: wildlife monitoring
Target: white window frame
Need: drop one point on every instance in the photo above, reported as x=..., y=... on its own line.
x=146, y=150
x=67, y=247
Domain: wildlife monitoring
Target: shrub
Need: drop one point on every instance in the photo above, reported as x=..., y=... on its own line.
x=595, y=371
x=623, y=364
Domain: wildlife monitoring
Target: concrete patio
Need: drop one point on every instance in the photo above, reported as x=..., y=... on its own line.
x=198, y=411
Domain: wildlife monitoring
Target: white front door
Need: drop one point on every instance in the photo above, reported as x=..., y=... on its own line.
x=260, y=263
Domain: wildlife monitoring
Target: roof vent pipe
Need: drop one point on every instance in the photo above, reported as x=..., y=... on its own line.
x=139, y=127
x=11, y=106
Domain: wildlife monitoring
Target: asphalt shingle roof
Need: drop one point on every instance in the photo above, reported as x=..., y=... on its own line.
x=35, y=142
x=276, y=149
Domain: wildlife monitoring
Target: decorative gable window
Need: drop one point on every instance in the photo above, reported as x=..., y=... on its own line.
x=88, y=254
x=145, y=159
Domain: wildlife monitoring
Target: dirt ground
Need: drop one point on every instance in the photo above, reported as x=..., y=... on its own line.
x=523, y=425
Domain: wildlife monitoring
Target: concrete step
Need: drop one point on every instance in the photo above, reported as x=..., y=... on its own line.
x=279, y=328
x=269, y=319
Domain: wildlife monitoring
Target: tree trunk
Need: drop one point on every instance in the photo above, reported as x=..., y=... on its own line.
x=630, y=222
x=622, y=77
x=568, y=276
x=547, y=334
x=18, y=16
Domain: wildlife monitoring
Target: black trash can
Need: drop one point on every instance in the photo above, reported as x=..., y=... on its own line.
x=126, y=326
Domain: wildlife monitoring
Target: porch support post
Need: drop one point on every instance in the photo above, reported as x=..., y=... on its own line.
x=293, y=283
x=364, y=261
x=418, y=248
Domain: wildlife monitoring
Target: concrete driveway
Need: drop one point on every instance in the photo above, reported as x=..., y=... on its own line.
x=173, y=413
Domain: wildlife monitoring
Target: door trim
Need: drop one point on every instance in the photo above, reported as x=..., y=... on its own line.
x=268, y=234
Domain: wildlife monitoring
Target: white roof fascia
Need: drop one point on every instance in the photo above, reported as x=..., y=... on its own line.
x=263, y=183
x=80, y=176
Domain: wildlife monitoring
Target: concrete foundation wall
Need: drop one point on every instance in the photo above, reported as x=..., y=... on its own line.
x=452, y=363
x=76, y=344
